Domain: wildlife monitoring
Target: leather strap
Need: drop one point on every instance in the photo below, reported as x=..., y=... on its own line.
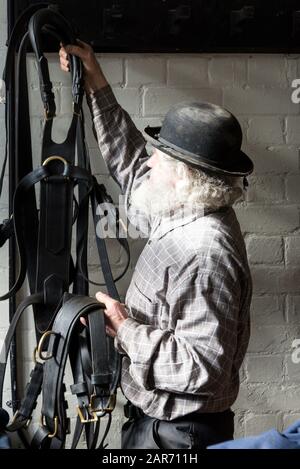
x=43, y=239
x=53, y=411
x=40, y=20
x=33, y=299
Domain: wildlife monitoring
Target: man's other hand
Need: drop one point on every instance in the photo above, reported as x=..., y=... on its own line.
x=115, y=313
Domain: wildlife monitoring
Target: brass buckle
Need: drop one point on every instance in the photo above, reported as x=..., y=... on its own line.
x=43, y=424
x=26, y=422
x=94, y=417
x=109, y=408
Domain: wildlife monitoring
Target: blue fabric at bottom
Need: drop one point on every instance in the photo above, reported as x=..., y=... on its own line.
x=4, y=441
x=272, y=439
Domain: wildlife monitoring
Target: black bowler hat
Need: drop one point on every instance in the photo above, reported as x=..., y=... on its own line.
x=204, y=136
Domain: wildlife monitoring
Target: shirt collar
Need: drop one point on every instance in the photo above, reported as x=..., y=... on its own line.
x=161, y=225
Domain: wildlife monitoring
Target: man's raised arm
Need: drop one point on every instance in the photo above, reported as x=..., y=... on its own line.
x=121, y=143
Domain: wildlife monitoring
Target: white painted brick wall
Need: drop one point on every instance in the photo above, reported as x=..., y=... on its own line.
x=187, y=72
x=292, y=249
x=267, y=71
x=266, y=189
x=268, y=219
x=269, y=279
x=292, y=188
x=157, y=101
x=259, y=101
x=265, y=130
x=269, y=339
x=258, y=89
x=273, y=158
x=268, y=309
x=293, y=135
x=227, y=71
x=255, y=424
x=265, y=250
x=141, y=71
x=264, y=369
x=292, y=371
x=293, y=309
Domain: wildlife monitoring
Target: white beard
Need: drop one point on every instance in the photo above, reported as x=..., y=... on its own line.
x=154, y=198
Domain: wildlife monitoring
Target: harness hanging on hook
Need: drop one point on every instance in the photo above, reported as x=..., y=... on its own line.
x=58, y=277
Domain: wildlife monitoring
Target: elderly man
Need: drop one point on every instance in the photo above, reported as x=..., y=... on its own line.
x=184, y=330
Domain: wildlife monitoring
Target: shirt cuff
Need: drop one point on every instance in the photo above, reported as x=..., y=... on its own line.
x=101, y=100
x=126, y=333
x=118, y=346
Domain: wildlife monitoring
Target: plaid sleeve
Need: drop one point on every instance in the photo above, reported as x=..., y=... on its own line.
x=196, y=356
x=121, y=144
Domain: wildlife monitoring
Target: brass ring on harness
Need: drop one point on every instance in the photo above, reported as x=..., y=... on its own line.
x=39, y=350
x=57, y=158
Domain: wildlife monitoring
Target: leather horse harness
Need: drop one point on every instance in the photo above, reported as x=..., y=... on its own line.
x=42, y=236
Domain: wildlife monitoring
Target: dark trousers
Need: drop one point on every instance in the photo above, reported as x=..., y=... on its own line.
x=193, y=431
